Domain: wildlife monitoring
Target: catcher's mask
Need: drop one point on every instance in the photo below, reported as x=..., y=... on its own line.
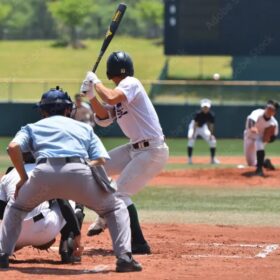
x=55, y=102
x=119, y=64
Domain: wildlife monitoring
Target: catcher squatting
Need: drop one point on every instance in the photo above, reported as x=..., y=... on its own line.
x=66, y=162
x=44, y=222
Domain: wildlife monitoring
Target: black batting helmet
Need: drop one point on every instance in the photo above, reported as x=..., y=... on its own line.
x=119, y=64
x=55, y=102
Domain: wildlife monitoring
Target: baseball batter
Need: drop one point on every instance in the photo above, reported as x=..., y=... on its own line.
x=146, y=154
x=254, y=144
x=202, y=124
x=65, y=150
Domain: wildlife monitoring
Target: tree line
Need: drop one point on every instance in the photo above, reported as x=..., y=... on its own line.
x=69, y=21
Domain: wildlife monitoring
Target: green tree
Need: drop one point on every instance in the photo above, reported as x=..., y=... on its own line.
x=5, y=10
x=151, y=16
x=70, y=15
x=19, y=18
x=41, y=24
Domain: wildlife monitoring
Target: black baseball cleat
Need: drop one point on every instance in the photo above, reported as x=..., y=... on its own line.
x=4, y=261
x=141, y=249
x=259, y=172
x=268, y=164
x=125, y=265
x=97, y=227
x=93, y=232
x=66, y=251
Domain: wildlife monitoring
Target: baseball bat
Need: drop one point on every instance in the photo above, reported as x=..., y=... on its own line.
x=117, y=17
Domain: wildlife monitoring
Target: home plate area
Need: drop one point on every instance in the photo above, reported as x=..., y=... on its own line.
x=230, y=251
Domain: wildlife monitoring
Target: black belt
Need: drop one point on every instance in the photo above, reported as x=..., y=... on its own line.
x=141, y=144
x=38, y=217
x=67, y=160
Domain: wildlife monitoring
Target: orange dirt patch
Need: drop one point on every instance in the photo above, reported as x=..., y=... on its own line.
x=179, y=252
x=217, y=177
x=223, y=159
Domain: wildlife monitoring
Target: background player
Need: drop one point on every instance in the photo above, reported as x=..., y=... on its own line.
x=146, y=154
x=83, y=111
x=202, y=124
x=254, y=143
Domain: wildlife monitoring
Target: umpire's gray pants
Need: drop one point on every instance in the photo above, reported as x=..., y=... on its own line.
x=74, y=181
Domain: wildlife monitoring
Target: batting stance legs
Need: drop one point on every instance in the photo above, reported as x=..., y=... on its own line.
x=68, y=181
x=135, y=168
x=205, y=133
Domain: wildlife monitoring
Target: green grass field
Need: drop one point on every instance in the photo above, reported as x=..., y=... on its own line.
x=29, y=68
x=169, y=204
x=39, y=61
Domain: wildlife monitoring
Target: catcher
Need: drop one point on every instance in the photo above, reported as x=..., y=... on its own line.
x=43, y=223
x=261, y=129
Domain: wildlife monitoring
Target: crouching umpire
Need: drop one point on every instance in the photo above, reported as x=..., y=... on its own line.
x=65, y=150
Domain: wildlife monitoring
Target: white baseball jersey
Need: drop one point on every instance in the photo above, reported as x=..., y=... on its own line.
x=136, y=116
x=34, y=232
x=253, y=142
x=261, y=123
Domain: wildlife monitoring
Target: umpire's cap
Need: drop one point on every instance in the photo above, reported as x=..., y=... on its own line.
x=119, y=64
x=55, y=101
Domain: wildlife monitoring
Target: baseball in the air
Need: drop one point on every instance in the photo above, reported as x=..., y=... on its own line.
x=216, y=76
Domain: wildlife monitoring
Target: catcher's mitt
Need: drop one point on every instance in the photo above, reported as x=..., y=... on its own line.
x=45, y=246
x=268, y=134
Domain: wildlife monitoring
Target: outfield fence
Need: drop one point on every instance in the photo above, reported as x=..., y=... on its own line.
x=160, y=91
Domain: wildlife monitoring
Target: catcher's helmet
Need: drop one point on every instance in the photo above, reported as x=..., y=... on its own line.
x=119, y=64
x=55, y=101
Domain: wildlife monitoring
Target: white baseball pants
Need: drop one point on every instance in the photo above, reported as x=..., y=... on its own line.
x=42, y=231
x=203, y=131
x=136, y=167
x=251, y=146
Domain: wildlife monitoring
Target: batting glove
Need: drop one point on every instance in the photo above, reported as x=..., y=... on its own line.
x=87, y=89
x=91, y=77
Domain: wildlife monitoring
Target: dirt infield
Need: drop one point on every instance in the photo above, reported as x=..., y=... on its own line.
x=239, y=176
x=180, y=251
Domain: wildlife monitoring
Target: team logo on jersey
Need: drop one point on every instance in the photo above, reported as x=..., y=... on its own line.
x=120, y=111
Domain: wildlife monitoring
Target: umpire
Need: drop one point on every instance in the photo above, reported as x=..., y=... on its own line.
x=64, y=150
